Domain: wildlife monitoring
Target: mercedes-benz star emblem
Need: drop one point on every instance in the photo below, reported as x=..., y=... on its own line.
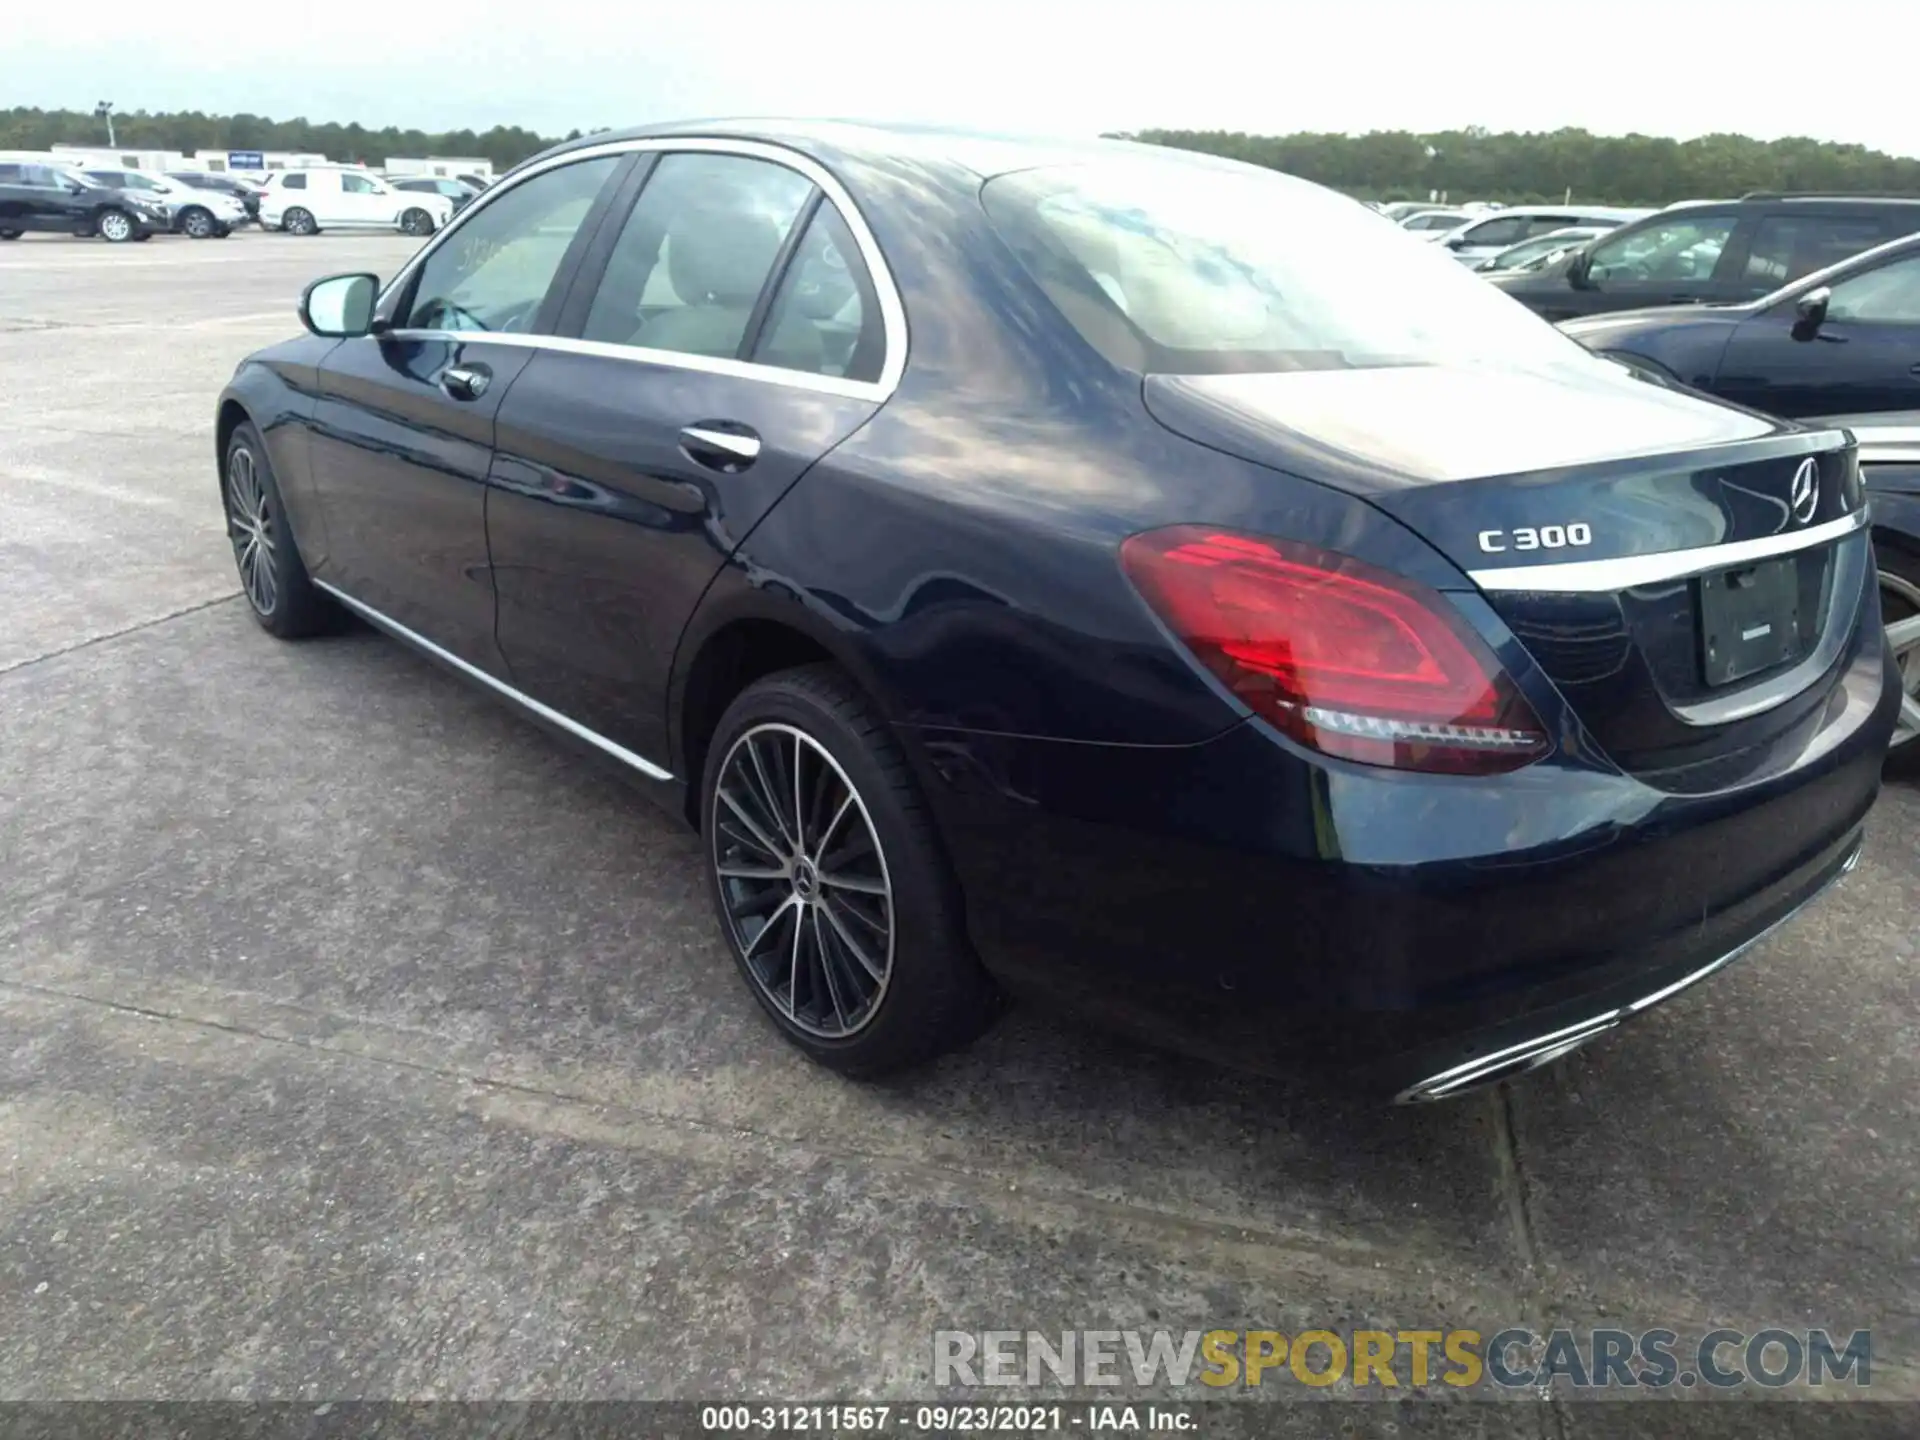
x=1804, y=497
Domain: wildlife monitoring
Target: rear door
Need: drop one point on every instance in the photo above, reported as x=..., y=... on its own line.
x=1863, y=357
x=727, y=334
x=403, y=426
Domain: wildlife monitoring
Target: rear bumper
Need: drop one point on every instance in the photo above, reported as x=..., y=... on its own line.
x=1241, y=901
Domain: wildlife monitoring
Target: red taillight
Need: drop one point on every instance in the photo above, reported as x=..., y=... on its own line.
x=1347, y=658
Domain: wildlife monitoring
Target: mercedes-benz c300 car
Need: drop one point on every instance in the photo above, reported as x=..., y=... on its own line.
x=1095, y=572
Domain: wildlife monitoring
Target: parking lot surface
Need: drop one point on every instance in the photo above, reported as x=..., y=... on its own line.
x=360, y=1042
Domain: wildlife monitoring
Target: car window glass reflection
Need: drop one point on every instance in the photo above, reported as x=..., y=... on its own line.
x=1682, y=249
x=695, y=253
x=1890, y=295
x=824, y=319
x=493, y=272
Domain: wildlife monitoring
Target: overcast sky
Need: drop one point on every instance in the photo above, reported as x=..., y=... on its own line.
x=1841, y=70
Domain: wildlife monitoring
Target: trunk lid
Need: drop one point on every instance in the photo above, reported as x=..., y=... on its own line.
x=1685, y=573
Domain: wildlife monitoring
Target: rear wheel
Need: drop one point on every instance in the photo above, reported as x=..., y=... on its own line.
x=116, y=227
x=197, y=224
x=1900, y=607
x=417, y=222
x=272, y=574
x=829, y=881
x=10, y=234
x=299, y=222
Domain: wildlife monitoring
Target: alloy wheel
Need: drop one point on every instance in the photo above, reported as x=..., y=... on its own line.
x=803, y=881
x=298, y=222
x=250, y=528
x=114, y=226
x=1900, y=599
x=198, y=225
x=417, y=222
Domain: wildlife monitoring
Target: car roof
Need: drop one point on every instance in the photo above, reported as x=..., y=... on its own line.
x=983, y=153
x=1824, y=202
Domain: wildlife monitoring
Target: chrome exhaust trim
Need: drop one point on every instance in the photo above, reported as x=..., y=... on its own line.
x=1539, y=1050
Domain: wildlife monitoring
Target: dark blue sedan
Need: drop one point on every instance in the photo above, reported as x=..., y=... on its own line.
x=1097, y=572
x=1843, y=339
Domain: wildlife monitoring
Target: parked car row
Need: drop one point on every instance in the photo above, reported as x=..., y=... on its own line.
x=118, y=204
x=1172, y=592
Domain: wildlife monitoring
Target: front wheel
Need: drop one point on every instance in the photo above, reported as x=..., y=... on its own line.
x=116, y=227
x=272, y=574
x=417, y=222
x=11, y=234
x=197, y=224
x=829, y=881
x=299, y=222
x=1899, y=573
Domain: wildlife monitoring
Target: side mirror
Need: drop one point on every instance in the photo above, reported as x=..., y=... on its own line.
x=1810, y=311
x=1455, y=242
x=340, y=306
x=1579, y=271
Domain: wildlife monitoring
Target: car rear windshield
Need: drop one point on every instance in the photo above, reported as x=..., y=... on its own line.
x=1198, y=267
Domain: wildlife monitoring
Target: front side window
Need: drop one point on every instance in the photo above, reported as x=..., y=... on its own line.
x=1183, y=267
x=293, y=182
x=1887, y=296
x=1681, y=248
x=358, y=185
x=1506, y=230
x=824, y=319
x=1785, y=247
x=493, y=271
x=695, y=254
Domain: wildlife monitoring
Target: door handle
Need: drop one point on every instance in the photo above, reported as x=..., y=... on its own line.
x=465, y=382
x=720, y=446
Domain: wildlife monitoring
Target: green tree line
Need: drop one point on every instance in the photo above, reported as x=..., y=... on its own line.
x=1476, y=164
x=191, y=130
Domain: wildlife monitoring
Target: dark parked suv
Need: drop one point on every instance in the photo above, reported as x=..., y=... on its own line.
x=41, y=197
x=1711, y=250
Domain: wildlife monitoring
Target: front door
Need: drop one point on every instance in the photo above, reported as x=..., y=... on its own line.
x=403, y=426
x=732, y=339
x=1863, y=357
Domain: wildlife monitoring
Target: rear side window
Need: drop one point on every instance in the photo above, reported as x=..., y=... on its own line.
x=695, y=253
x=825, y=318
x=293, y=182
x=1785, y=247
x=1185, y=266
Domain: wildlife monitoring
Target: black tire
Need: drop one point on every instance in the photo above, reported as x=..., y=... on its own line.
x=116, y=226
x=416, y=222
x=933, y=995
x=285, y=601
x=196, y=223
x=299, y=221
x=10, y=234
x=144, y=235
x=1898, y=570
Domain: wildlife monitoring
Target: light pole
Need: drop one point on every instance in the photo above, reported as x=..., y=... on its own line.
x=104, y=111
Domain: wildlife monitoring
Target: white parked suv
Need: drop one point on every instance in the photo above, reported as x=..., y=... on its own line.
x=345, y=197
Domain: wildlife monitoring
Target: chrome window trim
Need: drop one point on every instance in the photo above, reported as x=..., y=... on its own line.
x=500, y=687
x=893, y=314
x=1587, y=577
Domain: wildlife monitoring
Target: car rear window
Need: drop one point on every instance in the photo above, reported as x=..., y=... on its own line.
x=1196, y=267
